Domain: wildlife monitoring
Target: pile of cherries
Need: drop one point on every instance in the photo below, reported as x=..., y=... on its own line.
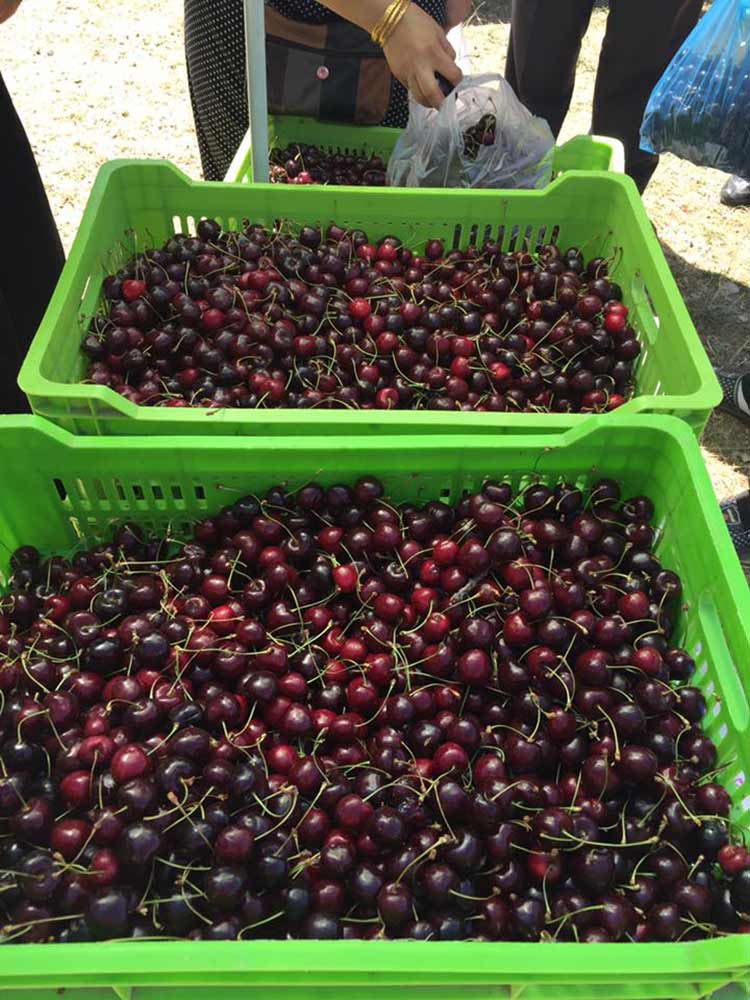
x=479, y=135
x=296, y=164
x=310, y=319
x=329, y=716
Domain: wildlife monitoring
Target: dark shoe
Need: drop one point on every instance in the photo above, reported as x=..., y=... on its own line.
x=736, y=192
x=736, y=389
x=737, y=517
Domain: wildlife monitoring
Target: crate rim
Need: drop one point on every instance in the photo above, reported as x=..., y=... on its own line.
x=242, y=161
x=177, y=963
x=34, y=383
x=541, y=436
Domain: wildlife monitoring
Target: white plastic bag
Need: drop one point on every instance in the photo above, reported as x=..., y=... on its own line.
x=433, y=151
x=458, y=40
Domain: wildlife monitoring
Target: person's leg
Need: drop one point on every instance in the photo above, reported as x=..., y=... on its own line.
x=642, y=38
x=31, y=255
x=215, y=55
x=545, y=41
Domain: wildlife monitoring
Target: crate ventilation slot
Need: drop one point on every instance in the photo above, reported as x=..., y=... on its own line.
x=60, y=488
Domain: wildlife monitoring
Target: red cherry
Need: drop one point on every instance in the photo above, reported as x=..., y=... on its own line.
x=76, y=788
x=346, y=578
x=450, y=757
x=615, y=400
x=132, y=289
x=616, y=307
x=445, y=552
x=69, y=837
x=224, y=619
x=615, y=322
x=475, y=668
x=213, y=319
x=104, y=867
x=389, y=607
x=733, y=858
x=329, y=539
x=56, y=608
x=429, y=573
x=424, y=599
x=500, y=373
x=282, y=758
x=353, y=812
x=359, y=309
x=129, y=762
x=436, y=627
x=648, y=659
x=387, y=399
x=634, y=607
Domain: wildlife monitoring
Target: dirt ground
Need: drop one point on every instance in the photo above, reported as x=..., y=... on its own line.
x=93, y=81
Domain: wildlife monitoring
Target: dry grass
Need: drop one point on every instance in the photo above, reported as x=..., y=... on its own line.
x=99, y=80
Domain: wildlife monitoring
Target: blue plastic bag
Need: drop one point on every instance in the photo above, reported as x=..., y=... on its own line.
x=700, y=109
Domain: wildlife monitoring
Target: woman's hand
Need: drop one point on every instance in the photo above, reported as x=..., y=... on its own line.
x=416, y=51
x=457, y=11
x=8, y=8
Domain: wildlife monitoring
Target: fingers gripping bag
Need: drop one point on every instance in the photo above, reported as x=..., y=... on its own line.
x=482, y=137
x=700, y=109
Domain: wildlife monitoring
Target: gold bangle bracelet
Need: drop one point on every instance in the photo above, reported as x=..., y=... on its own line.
x=389, y=21
x=394, y=21
x=381, y=24
x=381, y=27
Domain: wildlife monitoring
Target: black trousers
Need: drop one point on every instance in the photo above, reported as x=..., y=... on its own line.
x=31, y=255
x=642, y=37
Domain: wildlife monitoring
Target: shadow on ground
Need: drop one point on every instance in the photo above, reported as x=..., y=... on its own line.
x=722, y=306
x=491, y=12
x=497, y=11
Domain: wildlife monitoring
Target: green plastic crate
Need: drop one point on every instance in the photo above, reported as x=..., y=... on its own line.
x=373, y=140
x=66, y=488
x=143, y=203
x=584, y=152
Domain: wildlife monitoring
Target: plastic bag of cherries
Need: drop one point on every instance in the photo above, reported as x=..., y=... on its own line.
x=482, y=137
x=700, y=109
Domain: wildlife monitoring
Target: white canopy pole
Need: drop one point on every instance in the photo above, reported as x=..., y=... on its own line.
x=257, y=98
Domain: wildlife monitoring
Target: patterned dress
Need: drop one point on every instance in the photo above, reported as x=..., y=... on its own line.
x=215, y=51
